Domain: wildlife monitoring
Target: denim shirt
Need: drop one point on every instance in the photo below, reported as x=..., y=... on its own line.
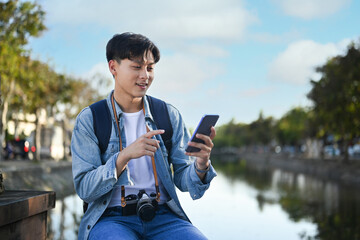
x=95, y=177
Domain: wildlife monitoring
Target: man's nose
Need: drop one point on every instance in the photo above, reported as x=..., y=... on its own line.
x=144, y=74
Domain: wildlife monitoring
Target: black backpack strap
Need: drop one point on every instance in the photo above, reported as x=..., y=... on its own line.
x=102, y=123
x=161, y=116
x=102, y=128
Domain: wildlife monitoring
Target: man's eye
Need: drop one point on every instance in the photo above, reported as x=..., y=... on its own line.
x=137, y=67
x=150, y=69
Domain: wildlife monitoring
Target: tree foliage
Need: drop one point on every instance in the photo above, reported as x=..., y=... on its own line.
x=259, y=132
x=291, y=129
x=335, y=111
x=262, y=130
x=18, y=22
x=28, y=85
x=80, y=95
x=336, y=96
x=231, y=135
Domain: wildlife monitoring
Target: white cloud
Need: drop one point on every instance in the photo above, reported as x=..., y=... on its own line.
x=182, y=73
x=99, y=77
x=212, y=19
x=298, y=62
x=185, y=28
x=98, y=69
x=310, y=9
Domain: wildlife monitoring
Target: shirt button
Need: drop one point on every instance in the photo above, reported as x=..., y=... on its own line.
x=194, y=195
x=88, y=227
x=104, y=202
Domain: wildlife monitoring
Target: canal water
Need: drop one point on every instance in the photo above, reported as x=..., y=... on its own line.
x=253, y=202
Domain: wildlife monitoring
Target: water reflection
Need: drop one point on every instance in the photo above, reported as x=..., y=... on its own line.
x=334, y=209
x=238, y=208
x=64, y=220
x=253, y=202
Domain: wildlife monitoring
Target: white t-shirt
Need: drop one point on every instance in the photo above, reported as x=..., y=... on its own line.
x=140, y=169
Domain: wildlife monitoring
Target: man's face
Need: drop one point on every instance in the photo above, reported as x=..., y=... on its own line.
x=133, y=77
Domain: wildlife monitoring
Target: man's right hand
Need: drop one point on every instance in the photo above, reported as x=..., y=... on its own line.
x=145, y=145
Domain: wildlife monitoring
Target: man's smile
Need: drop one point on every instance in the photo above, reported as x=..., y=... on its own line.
x=142, y=85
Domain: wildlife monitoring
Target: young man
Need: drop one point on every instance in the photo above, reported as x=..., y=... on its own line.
x=121, y=183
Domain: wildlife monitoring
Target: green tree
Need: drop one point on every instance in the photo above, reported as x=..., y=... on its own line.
x=79, y=94
x=41, y=90
x=261, y=130
x=46, y=89
x=231, y=135
x=291, y=129
x=18, y=22
x=336, y=96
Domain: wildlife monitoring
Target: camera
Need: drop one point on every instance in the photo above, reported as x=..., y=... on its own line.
x=141, y=204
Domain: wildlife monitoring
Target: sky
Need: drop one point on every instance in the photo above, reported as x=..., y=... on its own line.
x=234, y=58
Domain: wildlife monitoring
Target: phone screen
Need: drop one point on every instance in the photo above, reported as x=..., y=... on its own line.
x=204, y=127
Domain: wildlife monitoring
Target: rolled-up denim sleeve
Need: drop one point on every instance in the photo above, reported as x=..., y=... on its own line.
x=92, y=179
x=200, y=186
x=185, y=176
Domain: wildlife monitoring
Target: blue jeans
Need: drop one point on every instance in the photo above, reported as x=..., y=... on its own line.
x=165, y=225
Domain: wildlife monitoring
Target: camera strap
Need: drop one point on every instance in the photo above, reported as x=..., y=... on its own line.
x=123, y=201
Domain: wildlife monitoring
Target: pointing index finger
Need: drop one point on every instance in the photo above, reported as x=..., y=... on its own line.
x=150, y=134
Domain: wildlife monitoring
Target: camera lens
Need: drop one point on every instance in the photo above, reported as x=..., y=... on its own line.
x=146, y=211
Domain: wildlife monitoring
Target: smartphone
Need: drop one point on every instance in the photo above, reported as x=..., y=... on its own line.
x=204, y=127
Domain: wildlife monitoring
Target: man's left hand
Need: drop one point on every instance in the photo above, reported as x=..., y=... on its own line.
x=203, y=156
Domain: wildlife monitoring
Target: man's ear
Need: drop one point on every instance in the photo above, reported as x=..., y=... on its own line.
x=112, y=67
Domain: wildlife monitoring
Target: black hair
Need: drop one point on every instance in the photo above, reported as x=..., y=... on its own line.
x=130, y=46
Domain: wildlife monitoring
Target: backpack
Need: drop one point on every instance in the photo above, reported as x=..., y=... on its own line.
x=102, y=121
x=102, y=124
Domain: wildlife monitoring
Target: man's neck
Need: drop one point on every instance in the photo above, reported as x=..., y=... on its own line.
x=128, y=104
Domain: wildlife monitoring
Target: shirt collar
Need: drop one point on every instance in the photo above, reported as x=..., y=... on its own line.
x=119, y=112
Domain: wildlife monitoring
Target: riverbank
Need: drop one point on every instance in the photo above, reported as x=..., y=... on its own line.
x=327, y=169
x=49, y=175
x=46, y=175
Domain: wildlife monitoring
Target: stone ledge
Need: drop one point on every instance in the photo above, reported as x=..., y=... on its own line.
x=16, y=205
x=24, y=214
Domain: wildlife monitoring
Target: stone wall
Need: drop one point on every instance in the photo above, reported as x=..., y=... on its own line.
x=44, y=176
